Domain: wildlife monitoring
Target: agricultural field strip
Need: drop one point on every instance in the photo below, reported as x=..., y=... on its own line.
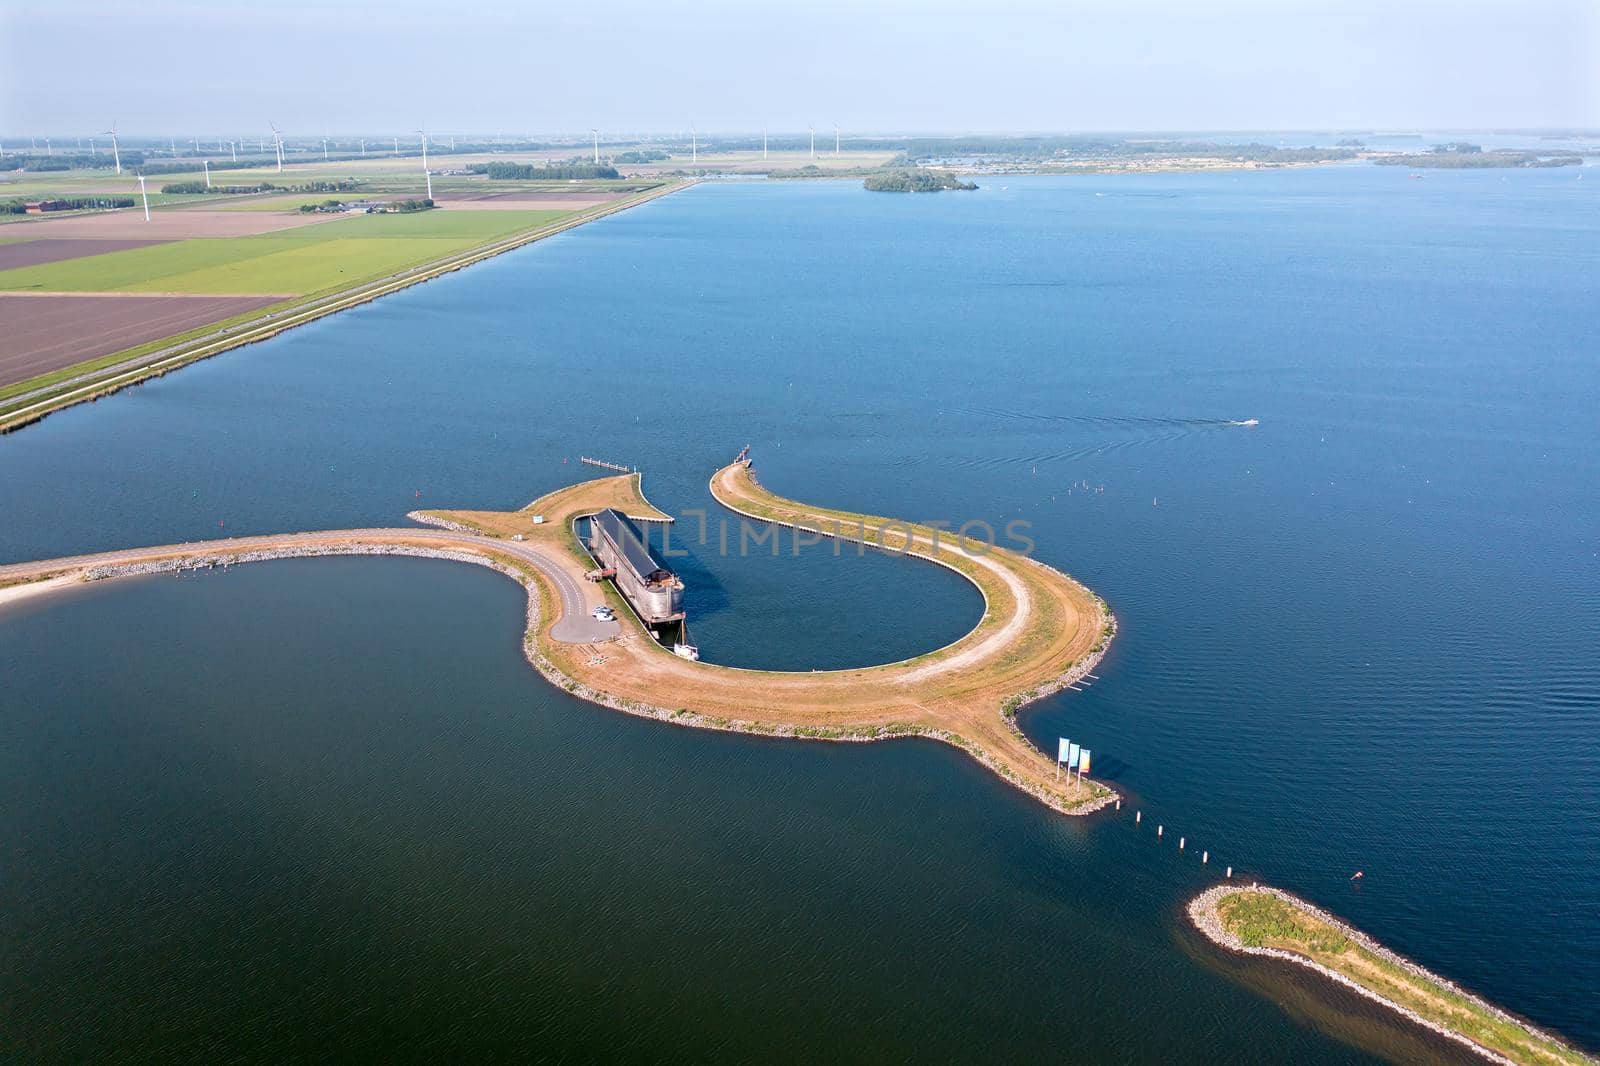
x=98, y=377
x=297, y=261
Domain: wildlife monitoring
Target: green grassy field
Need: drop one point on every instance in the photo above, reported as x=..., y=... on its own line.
x=292, y=262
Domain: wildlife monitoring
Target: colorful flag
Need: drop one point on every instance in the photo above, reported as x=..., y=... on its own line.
x=1083, y=761
x=1072, y=757
x=1061, y=756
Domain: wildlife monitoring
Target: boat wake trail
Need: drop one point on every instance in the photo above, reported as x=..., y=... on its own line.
x=1114, y=433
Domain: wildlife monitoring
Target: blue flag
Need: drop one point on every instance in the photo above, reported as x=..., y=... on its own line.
x=1072, y=757
x=1061, y=756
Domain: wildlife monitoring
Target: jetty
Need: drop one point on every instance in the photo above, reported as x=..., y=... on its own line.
x=618, y=467
x=1259, y=920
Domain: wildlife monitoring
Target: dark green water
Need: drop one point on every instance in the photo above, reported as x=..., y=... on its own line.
x=324, y=806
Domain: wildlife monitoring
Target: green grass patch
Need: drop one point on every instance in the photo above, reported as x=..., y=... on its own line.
x=1260, y=919
x=298, y=261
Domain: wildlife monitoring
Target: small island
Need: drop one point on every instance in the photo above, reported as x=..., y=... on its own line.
x=915, y=181
x=1463, y=156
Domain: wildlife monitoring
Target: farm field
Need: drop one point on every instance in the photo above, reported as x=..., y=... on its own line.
x=95, y=300
x=289, y=263
x=24, y=253
x=129, y=224
x=46, y=333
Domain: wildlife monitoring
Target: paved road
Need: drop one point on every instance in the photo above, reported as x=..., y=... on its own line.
x=576, y=624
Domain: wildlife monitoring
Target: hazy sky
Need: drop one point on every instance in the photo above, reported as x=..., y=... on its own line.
x=223, y=68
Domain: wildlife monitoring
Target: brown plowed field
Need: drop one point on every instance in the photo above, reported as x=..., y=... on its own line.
x=45, y=333
x=129, y=224
x=55, y=249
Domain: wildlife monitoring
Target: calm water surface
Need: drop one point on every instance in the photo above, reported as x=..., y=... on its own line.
x=325, y=803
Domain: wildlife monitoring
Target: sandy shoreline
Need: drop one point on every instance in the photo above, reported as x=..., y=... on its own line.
x=29, y=589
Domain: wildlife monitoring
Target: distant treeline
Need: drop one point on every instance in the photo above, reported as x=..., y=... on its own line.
x=397, y=207
x=68, y=203
x=812, y=171
x=189, y=167
x=177, y=187
x=1038, y=149
x=1472, y=157
x=641, y=157
x=915, y=181
x=38, y=162
x=529, y=172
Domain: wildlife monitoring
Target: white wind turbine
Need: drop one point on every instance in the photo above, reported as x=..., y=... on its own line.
x=596, y=134
x=277, y=144
x=207, y=164
x=426, y=172
x=116, y=156
x=694, y=145
x=835, y=138
x=146, y=197
x=763, y=144
x=324, y=149
x=813, y=130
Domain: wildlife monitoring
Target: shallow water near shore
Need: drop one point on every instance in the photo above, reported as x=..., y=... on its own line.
x=326, y=803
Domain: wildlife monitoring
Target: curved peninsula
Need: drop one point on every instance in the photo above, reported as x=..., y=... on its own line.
x=1258, y=920
x=1040, y=630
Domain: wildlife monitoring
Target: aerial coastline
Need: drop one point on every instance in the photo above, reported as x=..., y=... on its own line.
x=965, y=694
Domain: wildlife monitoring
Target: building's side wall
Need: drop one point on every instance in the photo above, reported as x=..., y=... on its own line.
x=654, y=605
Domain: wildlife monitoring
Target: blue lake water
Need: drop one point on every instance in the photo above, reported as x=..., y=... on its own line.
x=326, y=804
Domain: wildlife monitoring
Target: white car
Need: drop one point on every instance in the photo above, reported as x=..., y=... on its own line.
x=605, y=614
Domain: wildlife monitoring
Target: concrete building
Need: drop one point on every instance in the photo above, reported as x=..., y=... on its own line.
x=655, y=592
